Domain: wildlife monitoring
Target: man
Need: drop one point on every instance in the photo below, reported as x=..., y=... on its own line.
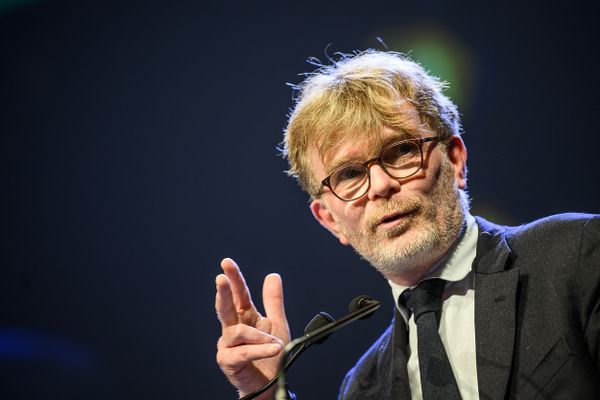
x=376, y=144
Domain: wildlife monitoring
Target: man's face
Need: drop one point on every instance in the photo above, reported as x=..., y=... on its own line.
x=401, y=226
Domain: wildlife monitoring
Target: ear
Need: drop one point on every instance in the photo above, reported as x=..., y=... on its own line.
x=326, y=219
x=457, y=153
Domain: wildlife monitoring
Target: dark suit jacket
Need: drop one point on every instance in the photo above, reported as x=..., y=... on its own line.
x=537, y=317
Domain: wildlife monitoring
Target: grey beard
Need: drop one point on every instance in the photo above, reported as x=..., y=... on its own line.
x=444, y=217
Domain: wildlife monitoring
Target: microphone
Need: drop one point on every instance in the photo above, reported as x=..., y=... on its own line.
x=361, y=307
x=359, y=302
x=318, y=321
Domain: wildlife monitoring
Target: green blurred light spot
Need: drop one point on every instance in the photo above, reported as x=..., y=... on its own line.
x=436, y=58
x=440, y=53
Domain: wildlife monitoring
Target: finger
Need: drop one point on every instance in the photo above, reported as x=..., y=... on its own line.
x=273, y=299
x=224, y=302
x=241, y=334
x=241, y=294
x=234, y=358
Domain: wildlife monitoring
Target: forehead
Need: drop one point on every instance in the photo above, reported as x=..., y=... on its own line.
x=406, y=123
x=344, y=146
x=353, y=149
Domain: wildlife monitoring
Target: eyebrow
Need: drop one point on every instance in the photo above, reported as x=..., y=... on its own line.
x=343, y=161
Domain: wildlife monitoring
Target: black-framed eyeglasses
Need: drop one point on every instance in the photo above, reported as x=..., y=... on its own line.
x=399, y=160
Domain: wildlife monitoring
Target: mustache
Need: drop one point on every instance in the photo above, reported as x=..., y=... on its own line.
x=389, y=207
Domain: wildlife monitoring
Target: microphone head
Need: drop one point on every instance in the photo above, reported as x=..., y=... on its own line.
x=319, y=321
x=359, y=302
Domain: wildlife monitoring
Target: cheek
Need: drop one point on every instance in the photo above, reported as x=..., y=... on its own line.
x=430, y=181
x=420, y=188
x=350, y=215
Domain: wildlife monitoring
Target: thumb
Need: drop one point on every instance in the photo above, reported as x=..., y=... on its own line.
x=273, y=300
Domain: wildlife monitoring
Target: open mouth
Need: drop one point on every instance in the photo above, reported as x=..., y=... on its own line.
x=389, y=219
x=392, y=218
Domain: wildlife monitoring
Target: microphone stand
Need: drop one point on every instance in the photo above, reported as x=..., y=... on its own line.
x=319, y=320
x=372, y=305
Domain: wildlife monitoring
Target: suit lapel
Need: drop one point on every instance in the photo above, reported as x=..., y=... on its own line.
x=384, y=374
x=495, y=311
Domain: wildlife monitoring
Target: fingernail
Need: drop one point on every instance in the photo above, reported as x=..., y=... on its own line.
x=275, y=347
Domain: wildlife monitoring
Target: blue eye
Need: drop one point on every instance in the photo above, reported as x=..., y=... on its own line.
x=351, y=172
x=403, y=149
x=399, y=152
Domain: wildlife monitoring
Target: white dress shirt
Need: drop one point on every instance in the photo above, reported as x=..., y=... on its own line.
x=457, y=321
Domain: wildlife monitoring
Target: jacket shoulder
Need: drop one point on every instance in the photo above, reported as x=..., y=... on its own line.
x=545, y=231
x=552, y=222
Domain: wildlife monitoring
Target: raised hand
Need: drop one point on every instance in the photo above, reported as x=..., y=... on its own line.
x=250, y=345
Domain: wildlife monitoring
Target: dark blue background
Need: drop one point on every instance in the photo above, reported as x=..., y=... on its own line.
x=138, y=149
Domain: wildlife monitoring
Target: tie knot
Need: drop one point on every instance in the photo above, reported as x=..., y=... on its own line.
x=426, y=297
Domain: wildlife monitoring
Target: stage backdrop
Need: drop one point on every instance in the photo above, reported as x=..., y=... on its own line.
x=138, y=148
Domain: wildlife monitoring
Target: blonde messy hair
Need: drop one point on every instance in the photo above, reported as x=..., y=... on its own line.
x=358, y=94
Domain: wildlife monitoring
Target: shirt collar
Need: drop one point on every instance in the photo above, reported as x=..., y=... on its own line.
x=453, y=267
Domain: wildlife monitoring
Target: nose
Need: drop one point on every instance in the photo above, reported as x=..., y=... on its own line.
x=382, y=185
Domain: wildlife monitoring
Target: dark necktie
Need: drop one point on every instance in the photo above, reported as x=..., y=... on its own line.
x=437, y=379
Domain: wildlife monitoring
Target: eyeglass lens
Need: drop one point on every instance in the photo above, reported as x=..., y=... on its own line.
x=399, y=161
